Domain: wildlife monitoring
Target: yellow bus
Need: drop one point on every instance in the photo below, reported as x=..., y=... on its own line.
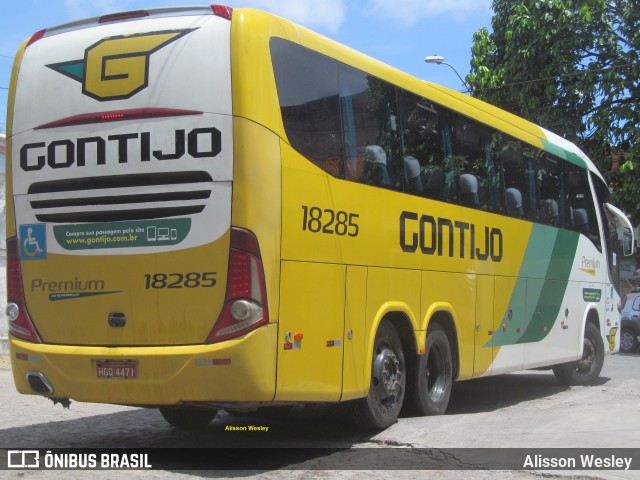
x=212, y=209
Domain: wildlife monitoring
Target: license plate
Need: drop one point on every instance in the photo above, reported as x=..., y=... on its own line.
x=117, y=369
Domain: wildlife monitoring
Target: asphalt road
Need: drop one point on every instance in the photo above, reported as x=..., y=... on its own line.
x=525, y=410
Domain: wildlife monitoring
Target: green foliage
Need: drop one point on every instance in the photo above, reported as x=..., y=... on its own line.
x=572, y=66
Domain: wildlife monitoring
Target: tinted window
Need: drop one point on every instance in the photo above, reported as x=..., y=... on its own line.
x=426, y=143
x=520, y=197
x=582, y=215
x=553, y=207
x=308, y=93
x=474, y=147
x=358, y=127
x=370, y=125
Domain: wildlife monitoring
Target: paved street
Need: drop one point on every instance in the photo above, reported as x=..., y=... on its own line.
x=525, y=410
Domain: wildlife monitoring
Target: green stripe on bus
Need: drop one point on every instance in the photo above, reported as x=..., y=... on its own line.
x=571, y=157
x=541, y=321
x=542, y=281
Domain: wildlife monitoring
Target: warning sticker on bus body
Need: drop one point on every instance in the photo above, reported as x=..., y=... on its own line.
x=147, y=233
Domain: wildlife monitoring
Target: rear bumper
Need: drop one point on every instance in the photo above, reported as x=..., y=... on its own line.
x=240, y=370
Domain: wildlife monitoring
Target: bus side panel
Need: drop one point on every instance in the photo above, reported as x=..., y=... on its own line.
x=455, y=295
x=508, y=324
x=9, y=206
x=355, y=358
x=537, y=353
x=485, y=352
x=311, y=331
x=389, y=290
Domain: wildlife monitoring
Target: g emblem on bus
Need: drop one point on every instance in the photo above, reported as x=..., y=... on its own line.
x=117, y=68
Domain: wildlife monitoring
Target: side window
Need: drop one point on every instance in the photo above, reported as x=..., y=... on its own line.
x=636, y=304
x=553, y=208
x=370, y=129
x=582, y=215
x=520, y=194
x=474, y=156
x=307, y=84
x=426, y=144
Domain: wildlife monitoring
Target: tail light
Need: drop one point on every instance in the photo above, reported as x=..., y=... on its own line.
x=245, y=306
x=222, y=11
x=20, y=324
x=37, y=36
x=119, y=17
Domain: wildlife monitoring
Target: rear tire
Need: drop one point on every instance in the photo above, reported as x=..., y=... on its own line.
x=586, y=370
x=432, y=376
x=380, y=408
x=188, y=418
x=628, y=341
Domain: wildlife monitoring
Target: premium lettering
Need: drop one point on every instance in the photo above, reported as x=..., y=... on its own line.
x=39, y=285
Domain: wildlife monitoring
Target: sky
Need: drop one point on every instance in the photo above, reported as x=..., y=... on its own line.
x=398, y=32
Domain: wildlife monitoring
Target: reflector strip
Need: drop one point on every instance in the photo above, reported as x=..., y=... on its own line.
x=29, y=358
x=208, y=362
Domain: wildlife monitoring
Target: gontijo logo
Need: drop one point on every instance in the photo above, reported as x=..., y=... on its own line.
x=116, y=68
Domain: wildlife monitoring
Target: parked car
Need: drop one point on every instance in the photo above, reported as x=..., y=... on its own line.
x=630, y=316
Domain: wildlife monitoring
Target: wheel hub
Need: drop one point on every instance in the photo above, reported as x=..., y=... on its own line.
x=626, y=340
x=386, y=370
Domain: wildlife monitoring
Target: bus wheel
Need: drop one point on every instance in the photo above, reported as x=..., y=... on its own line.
x=432, y=377
x=188, y=418
x=380, y=408
x=587, y=369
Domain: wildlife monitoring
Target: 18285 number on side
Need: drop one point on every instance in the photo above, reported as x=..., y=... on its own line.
x=331, y=222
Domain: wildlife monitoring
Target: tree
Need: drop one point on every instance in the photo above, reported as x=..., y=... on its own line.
x=573, y=67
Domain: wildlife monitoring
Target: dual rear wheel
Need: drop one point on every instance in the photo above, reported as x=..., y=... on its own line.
x=425, y=386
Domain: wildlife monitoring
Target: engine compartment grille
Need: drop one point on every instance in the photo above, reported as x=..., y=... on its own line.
x=120, y=197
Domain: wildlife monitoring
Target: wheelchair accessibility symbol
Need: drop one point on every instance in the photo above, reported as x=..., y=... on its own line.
x=33, y=242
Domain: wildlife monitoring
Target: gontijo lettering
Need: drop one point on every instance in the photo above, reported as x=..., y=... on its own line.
x=440, y=236
x=64, y=153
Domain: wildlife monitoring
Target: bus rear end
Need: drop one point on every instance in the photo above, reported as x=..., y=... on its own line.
x=126, y=282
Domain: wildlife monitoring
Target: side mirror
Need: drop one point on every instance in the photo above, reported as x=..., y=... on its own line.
x=623, y=227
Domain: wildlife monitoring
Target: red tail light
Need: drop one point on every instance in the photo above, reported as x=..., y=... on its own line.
x=222, y=11
x=115, y=116
x=245, y=306
x=36, y=36
x=20, y=324
x=118, y=17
